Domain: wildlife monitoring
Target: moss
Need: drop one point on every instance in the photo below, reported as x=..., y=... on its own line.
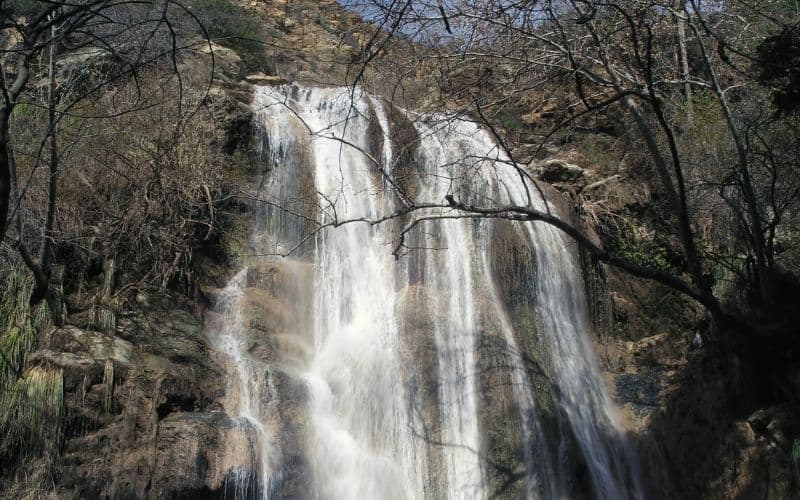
x=235, y=242
x=597, y=294
x=627, y=241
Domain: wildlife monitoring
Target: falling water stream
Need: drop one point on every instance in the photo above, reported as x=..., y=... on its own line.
x=253, y=387
x=401, y=395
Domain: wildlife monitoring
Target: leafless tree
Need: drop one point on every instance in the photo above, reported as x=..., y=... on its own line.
x=91, y=47
x=657, y=61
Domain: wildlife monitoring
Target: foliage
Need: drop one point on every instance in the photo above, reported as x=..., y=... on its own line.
x=118, y=175
x=93, y=50
x=31, y=410
x=108, y=386
x=18, y=323
x=26, y=7
x=139, y=189
x=796, y=460
x=629, y=242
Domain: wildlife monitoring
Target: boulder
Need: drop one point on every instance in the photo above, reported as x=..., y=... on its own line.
x=227, y=62
x=554, y=171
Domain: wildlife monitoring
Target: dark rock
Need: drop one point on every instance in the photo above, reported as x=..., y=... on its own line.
x=640, y=390
x=554, y=171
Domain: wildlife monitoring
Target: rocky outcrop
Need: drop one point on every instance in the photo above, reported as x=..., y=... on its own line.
x=555, y=171
x=144, y=418
x=685, y=404
x=696, y=435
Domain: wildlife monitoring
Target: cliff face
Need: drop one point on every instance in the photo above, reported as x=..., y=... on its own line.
x=703, y=424
x=158, y=434
x=145, y=401
x=144, y=393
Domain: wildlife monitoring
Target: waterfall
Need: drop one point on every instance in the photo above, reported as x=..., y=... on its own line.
x=253, y=388
x=460, y=368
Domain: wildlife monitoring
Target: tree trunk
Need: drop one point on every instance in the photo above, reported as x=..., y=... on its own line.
x=678, y=205
x=52, y=187
x=5, y=171
x=683, y=59
x=41, y=270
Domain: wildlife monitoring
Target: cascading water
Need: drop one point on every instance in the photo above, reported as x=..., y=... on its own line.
x=253, y=390
x=404, y=395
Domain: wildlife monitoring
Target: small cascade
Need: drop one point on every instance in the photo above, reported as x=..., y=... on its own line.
x=462, y=369
x=249, y=391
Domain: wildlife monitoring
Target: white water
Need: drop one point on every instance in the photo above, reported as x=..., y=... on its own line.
x=250, y=389
x=366, y=437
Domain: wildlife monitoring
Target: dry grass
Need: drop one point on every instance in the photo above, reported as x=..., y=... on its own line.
x=32, y=399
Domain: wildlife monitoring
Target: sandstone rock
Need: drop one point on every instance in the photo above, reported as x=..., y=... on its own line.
x=161, y=436
x=233, y=116
x=227, y=62
x=263, y=80
x=202, y=452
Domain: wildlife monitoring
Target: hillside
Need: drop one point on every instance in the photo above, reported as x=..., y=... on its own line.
x=171, y=240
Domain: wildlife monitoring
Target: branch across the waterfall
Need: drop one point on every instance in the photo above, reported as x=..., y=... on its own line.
x=521, y=213
x=517, y=213
x=338, y=223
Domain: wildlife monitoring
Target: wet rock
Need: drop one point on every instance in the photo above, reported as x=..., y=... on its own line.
x=420, y=359
x=199, y=452
x=501, y=427
x=405, y=141
x=642, y=391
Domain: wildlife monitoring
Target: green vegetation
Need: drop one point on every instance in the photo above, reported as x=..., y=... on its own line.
x=18, y=321
x=629, y=242
x=509, y=119
x=796, y=460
